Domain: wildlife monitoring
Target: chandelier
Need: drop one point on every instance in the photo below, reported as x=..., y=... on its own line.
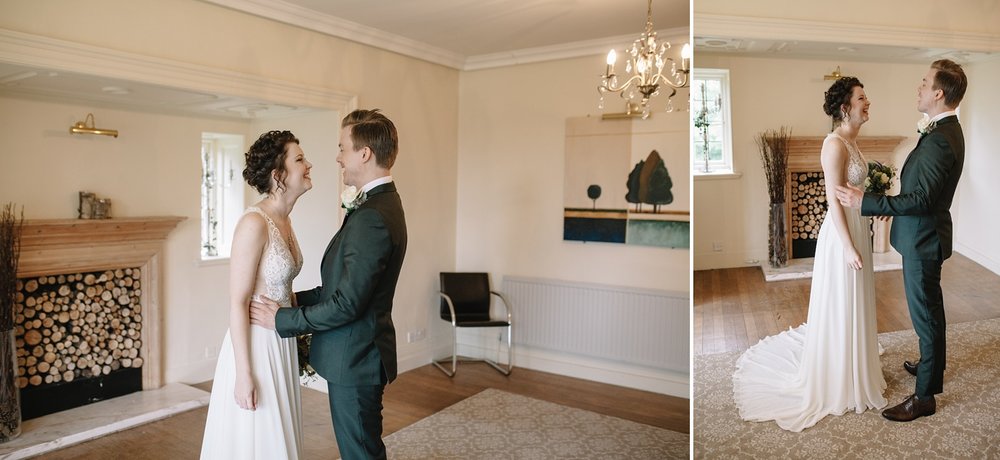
x=644, y=68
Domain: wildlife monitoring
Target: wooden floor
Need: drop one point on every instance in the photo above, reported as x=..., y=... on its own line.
x=414, y=395
x=734, y=308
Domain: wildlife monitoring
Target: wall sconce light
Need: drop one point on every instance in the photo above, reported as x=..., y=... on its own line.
x=835, y=75
x=87, y=127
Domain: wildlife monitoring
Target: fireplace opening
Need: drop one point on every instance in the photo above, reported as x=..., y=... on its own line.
x=79, y=339
x=807, y=210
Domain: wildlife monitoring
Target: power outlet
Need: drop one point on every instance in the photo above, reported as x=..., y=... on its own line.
x=717, y=246
x=416, y=336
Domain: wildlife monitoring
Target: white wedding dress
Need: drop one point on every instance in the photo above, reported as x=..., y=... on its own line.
x=274, y=429
x=830, y=364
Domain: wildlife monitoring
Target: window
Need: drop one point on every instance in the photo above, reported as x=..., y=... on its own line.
x=221, y=192
x=710, y=102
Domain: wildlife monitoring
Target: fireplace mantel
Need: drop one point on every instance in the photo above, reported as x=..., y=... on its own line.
x=52, y=246
x=62, y=246
x=803, y=151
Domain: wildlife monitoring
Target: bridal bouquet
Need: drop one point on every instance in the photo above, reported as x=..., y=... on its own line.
x=302, y=342
x=879, y=178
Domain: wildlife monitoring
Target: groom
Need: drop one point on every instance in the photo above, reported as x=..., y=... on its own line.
x=350, y=314
x=922, y=229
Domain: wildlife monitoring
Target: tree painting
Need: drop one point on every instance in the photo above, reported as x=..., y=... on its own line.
x=650, y=183
x=594, y=192
x=632, y=196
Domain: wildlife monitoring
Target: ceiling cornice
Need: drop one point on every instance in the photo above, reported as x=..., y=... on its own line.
x=708, y=25
x=330, y=25
x=295, y=15
x=599, y=46
x=61, y=55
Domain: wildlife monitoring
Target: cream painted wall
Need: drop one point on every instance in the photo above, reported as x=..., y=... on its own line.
x=421, y=98
x=770, y=93
x=976, y=16
x=511, y=164
x=512, y=136
x=151, y=169
x=977, y=213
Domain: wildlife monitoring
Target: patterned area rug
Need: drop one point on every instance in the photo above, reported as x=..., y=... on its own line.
x=966, y=425
x=494, y=424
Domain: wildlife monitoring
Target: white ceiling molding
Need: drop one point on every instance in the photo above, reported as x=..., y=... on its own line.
x=298, y=16
x=599, y=46
x=710, y=25
x=60, y=55
x=334, y=26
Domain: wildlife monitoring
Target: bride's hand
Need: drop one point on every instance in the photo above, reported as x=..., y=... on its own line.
x=853, y=257
x=246, y=392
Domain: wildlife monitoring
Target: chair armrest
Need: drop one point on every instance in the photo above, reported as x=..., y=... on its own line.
x=506, y=305
x=451, y=308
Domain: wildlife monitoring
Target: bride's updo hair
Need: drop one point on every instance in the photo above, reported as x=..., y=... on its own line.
x=838, y=96
x=265, y=155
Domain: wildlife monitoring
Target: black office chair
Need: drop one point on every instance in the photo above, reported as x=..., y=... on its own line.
x=465, y=302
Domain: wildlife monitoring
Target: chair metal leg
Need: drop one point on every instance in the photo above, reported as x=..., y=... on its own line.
x=510, y=357
x=454, y=355
x=494, y=364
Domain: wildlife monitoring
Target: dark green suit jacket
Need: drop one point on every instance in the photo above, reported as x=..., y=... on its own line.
x=350, y=314
x=922, y=227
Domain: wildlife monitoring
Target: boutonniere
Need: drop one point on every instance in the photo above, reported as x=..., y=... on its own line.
x=925, y=125
x=351, y=199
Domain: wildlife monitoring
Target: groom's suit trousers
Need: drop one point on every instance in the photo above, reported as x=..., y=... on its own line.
x=922, y=281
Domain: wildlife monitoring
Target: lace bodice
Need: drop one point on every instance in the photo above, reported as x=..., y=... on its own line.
x=279, y=264
x=857, y=166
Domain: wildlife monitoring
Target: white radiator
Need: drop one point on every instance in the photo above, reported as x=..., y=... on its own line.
x=645, y=327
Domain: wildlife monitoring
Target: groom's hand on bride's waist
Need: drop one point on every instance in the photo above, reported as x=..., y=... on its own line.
x=849, y=196
x=262, y=311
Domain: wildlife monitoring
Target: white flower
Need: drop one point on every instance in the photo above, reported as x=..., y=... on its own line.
x=884, y=178
x=350, y=197
x=924, y=125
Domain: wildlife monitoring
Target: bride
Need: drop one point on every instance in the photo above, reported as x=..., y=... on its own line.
x=255, y=410
x=830, y=364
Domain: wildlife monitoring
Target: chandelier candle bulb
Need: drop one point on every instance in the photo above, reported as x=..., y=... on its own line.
x=644, y=70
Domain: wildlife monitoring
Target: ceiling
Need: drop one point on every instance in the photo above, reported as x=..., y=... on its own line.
x=22, y=81
x=459, y=29
x=831, y=50
x=480, y=27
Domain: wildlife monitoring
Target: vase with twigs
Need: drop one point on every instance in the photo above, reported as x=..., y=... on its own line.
x=773, y=145
x=10, y=395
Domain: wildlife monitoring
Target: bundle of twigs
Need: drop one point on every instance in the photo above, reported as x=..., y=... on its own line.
x=773, y=147
x=10, y=249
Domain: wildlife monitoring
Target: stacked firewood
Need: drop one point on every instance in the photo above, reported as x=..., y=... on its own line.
x=75, y=326
x=808, y=205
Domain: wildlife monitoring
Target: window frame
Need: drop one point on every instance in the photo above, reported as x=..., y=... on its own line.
x=224, y=153
x=725, y=165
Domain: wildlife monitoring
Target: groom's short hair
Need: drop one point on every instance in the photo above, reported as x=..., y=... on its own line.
x=950, y=79
x=372, y=129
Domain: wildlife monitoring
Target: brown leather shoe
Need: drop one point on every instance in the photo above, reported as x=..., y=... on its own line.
x=911, y=367
x=911, y=409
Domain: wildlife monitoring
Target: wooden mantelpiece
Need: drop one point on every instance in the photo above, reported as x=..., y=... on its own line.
x=64, y=246
x=803, y=151
x=53, y=246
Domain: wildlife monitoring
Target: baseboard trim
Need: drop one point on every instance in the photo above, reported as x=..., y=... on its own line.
x=640, y=378
x=978, y=257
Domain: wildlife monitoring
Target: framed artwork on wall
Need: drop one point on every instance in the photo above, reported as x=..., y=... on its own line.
x=627, y=181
